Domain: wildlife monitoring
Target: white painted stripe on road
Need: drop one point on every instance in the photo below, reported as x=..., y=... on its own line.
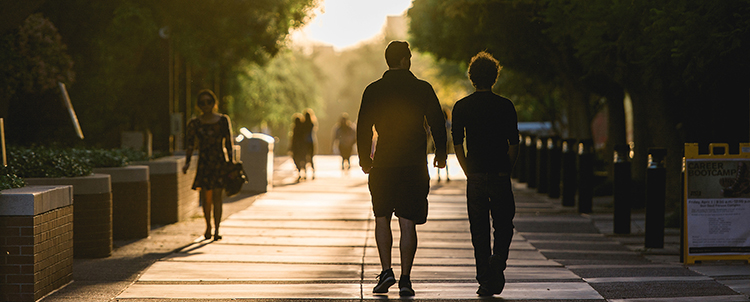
x=588, y=252
x=648, y=279
x=733, y=298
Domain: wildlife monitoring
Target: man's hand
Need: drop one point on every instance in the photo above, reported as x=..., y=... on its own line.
x=438, y=163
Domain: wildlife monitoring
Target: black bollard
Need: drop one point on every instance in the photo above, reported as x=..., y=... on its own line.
x=554, y=150
x=569, y=172
x=518, y=169
x=531, y=161
x=542, y=181
x=585, y=176
x=622, y=188
x=656, y=184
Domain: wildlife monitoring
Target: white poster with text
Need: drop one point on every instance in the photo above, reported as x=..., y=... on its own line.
x=718, y=206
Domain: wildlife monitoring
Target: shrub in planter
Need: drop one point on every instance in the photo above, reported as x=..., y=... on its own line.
x=45, y=162
x=92, y=210
x=9, y=180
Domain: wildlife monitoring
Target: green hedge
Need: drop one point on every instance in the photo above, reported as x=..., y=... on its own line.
x=47, y=162
x=9, y=180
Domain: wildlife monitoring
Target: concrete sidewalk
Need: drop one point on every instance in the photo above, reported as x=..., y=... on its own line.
x=314, y=240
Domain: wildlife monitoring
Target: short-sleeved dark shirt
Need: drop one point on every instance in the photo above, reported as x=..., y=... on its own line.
x=397, y=105
x=212, y=140
x=490, y=124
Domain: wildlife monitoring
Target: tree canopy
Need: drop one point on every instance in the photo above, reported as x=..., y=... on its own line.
x=124, y=51
x=679, y=60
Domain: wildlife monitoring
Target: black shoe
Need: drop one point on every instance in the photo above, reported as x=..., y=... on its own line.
x=385, y=280
x=486, y=292
x=495, y=287
x=404, y=287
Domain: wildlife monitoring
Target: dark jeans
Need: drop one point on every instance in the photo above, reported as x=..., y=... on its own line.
x=489, y=194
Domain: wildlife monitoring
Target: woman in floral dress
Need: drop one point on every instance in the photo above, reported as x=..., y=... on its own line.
x=213, y=135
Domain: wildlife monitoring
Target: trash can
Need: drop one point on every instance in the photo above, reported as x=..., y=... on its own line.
x=257, y=160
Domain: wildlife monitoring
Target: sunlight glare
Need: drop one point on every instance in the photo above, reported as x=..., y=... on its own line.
x=345, y=23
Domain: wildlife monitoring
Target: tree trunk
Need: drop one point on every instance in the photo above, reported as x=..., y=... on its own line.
x=655, y=126
x=616, y=129
x=578, y=112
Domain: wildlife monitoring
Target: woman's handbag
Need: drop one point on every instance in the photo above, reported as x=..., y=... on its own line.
x=234, y=178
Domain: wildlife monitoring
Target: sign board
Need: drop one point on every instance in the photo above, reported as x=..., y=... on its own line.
x=717, y=204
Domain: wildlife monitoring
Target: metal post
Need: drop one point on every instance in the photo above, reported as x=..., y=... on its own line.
x=555, y=154
x=622, y=188
x=682, y=211
x=656, y=183
x=585, y=176
x=569, y=172
x=2, y=143
x=542, y=180
x=531, y=161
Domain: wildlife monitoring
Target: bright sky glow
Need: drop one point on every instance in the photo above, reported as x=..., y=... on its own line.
x=345, y=23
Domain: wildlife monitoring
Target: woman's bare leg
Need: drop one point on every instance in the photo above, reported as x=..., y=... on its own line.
x=206, y=198
x=218, y=208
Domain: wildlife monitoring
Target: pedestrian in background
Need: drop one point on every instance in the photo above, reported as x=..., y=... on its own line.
x=489, y=124
x=298, y=147
x=212, y=132
x=345, y=136
x=310, y=127
x=396, y=106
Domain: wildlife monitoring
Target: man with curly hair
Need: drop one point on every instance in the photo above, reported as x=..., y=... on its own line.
x=489, y=124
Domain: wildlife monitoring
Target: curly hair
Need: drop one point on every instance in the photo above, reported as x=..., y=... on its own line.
x=483, y=70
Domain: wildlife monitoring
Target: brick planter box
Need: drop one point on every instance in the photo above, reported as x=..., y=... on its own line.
x=36, y=241
x=172, y=198
x=92, y=216
x=131, y=201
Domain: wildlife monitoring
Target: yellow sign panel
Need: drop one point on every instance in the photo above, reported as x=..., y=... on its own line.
x=717, y=204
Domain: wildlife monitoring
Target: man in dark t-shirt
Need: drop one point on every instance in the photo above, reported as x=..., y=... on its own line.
x=489, y=124
x=396, y=107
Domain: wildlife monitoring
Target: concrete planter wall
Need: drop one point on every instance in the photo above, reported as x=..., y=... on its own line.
x=36, y=241
x=92, y=212
x=131, y=201
x=172, y=198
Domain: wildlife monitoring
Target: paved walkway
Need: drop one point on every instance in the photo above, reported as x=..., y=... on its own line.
x=314, y=240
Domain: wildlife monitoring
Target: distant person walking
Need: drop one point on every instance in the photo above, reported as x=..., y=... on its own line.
x=345, y=136
x=396, y=106
x=298, y=146
x=213, y=134
x=490, y=125
x=310, y=127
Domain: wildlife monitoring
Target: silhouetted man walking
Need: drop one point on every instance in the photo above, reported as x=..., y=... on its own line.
x=396, y=107
x=490, y=125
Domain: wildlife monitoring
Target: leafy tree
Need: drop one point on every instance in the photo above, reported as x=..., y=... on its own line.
x=272, y=93
x=514, y=32
x=122, y=50
x=677, y=59
x=33, y=59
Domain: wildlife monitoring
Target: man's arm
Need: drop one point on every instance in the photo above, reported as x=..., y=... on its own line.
x=512, y=155
x=461, y=156
x=436, y=120
x=364, y=134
